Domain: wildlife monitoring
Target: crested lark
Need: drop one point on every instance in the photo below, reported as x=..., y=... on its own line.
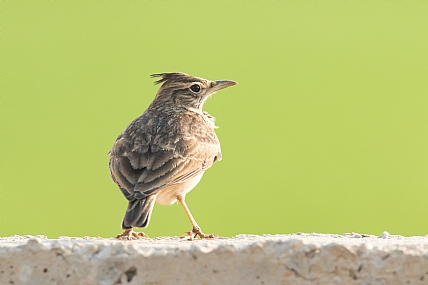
x=163, y=154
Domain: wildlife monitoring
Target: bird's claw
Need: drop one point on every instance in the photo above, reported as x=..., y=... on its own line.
x=191, y=235
x=131, y=235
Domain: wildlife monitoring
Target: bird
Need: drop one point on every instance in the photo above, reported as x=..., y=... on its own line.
x=162, y=154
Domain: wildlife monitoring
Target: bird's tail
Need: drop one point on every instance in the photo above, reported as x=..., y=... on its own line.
x=138, y=213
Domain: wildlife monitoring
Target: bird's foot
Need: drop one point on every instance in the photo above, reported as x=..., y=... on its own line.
x=196, y=231
x=131, y=235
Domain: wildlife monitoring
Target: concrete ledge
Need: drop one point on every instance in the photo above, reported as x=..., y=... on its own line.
x=245, y=259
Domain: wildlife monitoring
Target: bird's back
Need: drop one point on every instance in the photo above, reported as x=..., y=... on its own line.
x=162, y=148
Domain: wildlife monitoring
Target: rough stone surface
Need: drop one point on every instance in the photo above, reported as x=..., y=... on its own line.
x=245, y=259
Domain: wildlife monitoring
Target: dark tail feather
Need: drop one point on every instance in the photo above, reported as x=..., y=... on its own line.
x=138, y=213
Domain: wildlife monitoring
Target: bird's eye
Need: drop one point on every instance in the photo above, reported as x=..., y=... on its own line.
x=195, y=88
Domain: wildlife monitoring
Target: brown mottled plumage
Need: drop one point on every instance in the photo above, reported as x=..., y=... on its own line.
x=163, y=153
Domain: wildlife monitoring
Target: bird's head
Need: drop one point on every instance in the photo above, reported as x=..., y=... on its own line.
x=186, y=91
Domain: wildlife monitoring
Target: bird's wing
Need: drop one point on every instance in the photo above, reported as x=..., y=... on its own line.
x=146, y=167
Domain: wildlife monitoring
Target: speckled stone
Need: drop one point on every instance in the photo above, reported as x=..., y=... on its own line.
x=245, y=259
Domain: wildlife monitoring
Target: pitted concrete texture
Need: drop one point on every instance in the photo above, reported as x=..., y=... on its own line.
x=245, y=259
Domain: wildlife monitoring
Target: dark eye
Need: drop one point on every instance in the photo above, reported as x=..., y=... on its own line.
x=195, y=88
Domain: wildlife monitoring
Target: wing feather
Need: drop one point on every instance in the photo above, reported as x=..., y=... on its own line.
x=145, y=163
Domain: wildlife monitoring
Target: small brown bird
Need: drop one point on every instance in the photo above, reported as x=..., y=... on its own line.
x=163, y=154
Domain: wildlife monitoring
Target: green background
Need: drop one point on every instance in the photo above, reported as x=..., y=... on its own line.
x=327, y=130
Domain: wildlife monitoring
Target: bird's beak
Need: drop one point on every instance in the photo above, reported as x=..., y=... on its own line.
x=220, y=84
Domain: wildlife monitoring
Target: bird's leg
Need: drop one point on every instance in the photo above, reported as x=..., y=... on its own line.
x=129, y=234
x=196, y=231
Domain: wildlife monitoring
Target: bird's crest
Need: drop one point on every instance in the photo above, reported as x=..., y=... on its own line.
x=174, y=76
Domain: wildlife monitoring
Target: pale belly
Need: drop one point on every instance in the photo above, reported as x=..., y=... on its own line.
x=169, y=195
